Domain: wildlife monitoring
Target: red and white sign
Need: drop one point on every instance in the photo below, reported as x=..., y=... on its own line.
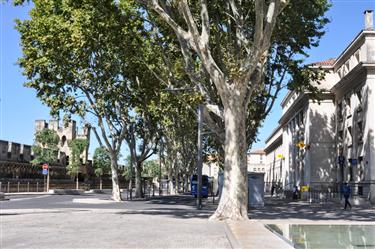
x=45, y=166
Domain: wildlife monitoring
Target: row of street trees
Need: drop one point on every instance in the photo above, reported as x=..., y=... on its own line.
x=111, y=61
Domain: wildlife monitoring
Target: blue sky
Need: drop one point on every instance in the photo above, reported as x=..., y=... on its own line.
x=19, y=107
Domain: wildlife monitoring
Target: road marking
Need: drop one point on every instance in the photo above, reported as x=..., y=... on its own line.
x=30, y=198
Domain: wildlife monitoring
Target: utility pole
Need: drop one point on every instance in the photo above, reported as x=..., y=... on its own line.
x=160, y=171
x=199, y=161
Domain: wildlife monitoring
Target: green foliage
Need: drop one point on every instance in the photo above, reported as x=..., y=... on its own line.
x=73, y=54
x=151, y=168
x=46, y=147
x=101, y=162
x=77, y=147
x=299, y=28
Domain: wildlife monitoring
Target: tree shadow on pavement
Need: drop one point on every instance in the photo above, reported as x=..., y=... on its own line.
x=284, y=210
x=171, y=212
x=177, y=206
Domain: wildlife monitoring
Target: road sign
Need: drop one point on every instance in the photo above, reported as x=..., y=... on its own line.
x=45, y=171
x=45, y=166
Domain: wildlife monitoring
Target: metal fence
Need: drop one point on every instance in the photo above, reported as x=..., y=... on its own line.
x=322, y=192
x=14, y=187
x=332, y=192
x=149, y=189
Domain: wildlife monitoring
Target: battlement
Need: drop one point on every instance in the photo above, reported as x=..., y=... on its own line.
x=66, y=133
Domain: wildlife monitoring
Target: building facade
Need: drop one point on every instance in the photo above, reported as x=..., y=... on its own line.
x=327, y=143
x=275, y=159
x=256, y=161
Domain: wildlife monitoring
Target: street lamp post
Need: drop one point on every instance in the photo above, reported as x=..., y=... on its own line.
x=199, y=159
x=160, y=171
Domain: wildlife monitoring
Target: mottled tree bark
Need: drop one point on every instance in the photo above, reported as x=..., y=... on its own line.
x=234, y=199
x=116, y=195
x=138, y=181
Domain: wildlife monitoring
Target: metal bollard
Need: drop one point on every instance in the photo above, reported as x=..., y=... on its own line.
x=28, y=187
x=8, y=187
x=18, y=187
x=37, y=186
x=0, y=186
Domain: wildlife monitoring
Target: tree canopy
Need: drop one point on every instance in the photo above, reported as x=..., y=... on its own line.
x=46, y=147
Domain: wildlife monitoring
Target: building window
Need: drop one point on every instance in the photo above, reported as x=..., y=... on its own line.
x=339, y=111
x=348, y=108
x=360, y=132
x=347, y=68
x=63, y=140
x=356, y=56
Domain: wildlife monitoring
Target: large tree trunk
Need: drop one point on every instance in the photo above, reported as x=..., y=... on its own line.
x=170, y=182
x=234, y=199
x=186, y=183
x=116, y=195
x=176, y=185
x=138, y=180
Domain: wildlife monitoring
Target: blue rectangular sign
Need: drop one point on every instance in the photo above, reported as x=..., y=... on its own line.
x=45, y=172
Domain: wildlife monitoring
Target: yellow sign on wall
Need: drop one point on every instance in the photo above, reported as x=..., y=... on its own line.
x=281, y=156
x=301, y=145
x=305, y=188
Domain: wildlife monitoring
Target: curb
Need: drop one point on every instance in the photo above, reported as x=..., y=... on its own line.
x=234, y=243
x=28, y=193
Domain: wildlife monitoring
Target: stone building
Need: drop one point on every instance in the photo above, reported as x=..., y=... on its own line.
x=15, y=164
x=355, y=111
x=256, y=161
x=325, y=144
x=15, y=158
x=275, y=159
x=66, y=133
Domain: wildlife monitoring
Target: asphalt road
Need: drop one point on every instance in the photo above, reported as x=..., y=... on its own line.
x=55, y=221
x=184, y=203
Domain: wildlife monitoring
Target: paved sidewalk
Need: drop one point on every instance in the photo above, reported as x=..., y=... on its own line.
x=254, y=235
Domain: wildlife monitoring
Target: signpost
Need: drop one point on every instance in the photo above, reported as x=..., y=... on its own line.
x=46, y=173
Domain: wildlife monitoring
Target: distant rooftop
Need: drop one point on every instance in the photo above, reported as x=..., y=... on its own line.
x=259, y=151
x=328, y=62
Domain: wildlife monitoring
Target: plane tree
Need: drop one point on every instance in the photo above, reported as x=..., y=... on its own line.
x=101, y=163
x=77, y=56
x=77, y=147
x=45, y=147
x=239, y=54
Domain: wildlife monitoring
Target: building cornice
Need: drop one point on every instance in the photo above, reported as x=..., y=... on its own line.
x=355, y=44
x=297, y=104
x=276, y=143
x=273, y=133
x=351, y=76
x=287, y=97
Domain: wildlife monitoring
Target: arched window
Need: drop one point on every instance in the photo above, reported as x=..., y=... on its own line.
x=63, y=141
